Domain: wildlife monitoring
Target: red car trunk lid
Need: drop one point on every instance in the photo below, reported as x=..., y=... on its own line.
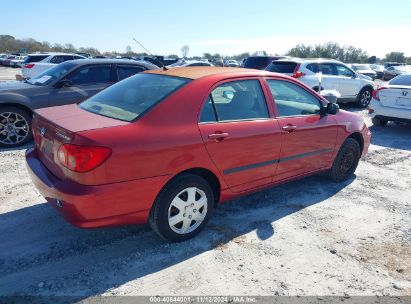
x=57, y=125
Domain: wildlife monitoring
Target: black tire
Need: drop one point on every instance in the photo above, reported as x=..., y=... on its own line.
x=346, y=161
x=379, y=122
x=159, y=215
x=364, y=97
x=15, y=141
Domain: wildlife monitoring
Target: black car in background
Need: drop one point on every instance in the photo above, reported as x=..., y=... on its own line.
x=260, y=62
x=66, y=83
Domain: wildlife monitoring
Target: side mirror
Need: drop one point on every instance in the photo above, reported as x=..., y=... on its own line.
x=332, y=108
x=64, y=83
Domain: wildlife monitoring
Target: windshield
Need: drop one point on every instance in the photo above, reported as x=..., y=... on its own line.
x=360, y=67
x=178, y=63
x=259, y=63
x=402, y=80
x=402, y=68
x=51, y=74
x=130, y=98
x=282, y=67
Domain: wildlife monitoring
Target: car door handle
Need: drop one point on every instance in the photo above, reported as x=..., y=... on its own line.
x=217, y=136
x=289, y=128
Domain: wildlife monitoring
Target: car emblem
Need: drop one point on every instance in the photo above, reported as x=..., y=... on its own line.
x=404, y=93
x=42, y=131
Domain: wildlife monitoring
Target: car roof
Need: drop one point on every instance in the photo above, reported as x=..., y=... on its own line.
x=301, y=60
x=52, y=53
x=204, y=71
x=111, y=61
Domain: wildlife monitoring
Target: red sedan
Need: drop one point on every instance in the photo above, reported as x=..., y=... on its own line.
x=166, y=146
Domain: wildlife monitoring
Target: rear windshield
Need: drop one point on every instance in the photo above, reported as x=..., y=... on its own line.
x=130, y=98
x=404, y=80
x=35, y=58
x=259, y=63
x=282, y=67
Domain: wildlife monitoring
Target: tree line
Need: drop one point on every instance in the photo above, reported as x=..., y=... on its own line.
x=348, y=54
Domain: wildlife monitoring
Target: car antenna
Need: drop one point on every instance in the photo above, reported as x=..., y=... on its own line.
x=162, y=64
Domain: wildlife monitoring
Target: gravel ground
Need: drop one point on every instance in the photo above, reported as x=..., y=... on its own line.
x=308, y=237
x=9, y=73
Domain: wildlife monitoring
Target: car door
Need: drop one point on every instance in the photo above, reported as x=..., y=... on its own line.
x=329, y=78
x=308, y=138
x=82, y=83
x=240, y=137
x=348, y=82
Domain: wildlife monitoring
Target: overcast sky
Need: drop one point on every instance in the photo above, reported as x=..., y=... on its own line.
x=227, y=27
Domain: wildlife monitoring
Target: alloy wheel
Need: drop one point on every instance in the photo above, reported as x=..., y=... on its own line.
x=14, y=128
x=365, y=98
x=187, y=210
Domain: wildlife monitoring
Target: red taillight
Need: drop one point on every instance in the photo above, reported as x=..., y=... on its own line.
x=296, y=73
x=82, y=158
x=29, y=65
x=376, y=93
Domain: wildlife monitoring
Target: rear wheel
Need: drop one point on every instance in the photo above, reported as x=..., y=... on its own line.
x=346, y=161
x=182, y=208
x=379, y=122
x=364, y=98
x=15, y=127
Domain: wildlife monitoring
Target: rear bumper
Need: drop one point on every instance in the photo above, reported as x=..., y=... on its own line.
x=95, y=206
x=376, y=109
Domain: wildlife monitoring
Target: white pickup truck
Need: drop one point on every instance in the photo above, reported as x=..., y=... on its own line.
x=35, y=64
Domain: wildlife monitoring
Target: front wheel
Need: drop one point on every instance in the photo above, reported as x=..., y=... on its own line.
x=364, y=98
x=346, y=161
x=182, y=208
x=15, y=127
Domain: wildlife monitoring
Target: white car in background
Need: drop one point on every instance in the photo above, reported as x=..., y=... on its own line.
x=190, y=63
x=392, y=102
x=231, y=63
x=17, y=62
x=334, y=75
x=364, y=69
x=38, y=63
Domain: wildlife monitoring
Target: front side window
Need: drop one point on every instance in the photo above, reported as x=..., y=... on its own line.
x=343, y=71
x=236, y=100
x=292, y=100
x=130, y=98
x=90, y=75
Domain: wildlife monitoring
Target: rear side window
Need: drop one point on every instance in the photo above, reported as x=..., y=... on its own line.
x=282, y=67
x=313, y=67
x=236, y=100
x=129, y=99
x=90, y=75
x=292, y=100
x=127, y=71
x=403, y=80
